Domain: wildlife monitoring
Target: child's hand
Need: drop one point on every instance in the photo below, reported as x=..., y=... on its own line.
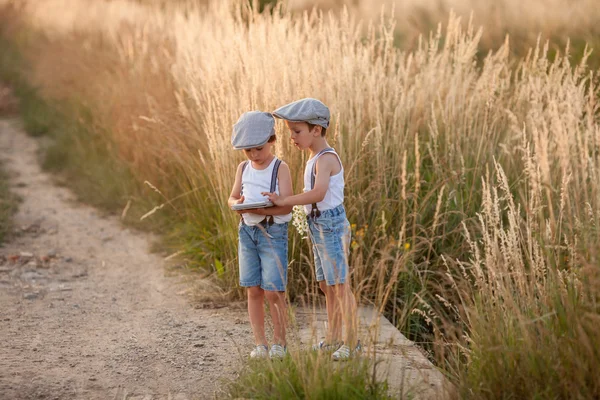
x=274, y=198
x=240, y=201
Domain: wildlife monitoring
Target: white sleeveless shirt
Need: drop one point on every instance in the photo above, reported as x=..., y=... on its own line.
x=255, y=181
x=335, y=193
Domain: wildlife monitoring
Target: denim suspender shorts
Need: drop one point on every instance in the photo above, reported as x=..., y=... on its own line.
x=263, y=255
x=330, y=235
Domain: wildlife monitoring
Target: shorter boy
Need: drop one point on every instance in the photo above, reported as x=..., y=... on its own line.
x=329, y=229
x=263, y=233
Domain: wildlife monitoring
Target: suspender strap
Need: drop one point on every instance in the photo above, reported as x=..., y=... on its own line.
x=244, y=165
x=314, y=212
x=269, y=218
x=274, y=176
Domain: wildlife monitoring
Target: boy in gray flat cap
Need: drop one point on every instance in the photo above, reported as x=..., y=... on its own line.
x=263, y=232
x=329, y=229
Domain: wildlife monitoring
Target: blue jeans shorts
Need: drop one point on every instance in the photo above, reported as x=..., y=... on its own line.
x=330, y=235
x=263, y=253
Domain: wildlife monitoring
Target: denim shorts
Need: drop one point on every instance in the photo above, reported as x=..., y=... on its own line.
x=262, y=253
x=330, y=235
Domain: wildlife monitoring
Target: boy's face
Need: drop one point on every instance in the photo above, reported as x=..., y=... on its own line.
x=301, y=135
x=259, y=154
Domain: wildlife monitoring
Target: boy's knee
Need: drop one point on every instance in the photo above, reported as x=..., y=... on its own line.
x=323, y=286
x=255, y=292
x=272, y=297
x=341, y=288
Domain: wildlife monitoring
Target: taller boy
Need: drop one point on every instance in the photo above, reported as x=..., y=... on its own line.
x=323, y=198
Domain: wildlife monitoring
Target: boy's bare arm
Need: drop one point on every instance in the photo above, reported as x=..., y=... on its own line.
x=326, y=166
x=235, y=197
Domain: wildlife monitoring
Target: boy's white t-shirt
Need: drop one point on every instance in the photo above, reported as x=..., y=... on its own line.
x=335, y=193
x=254, y=182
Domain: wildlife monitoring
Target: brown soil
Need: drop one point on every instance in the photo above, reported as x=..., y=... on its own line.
x=88, y=312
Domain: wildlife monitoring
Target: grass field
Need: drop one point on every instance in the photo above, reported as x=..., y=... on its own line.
x=8, y=205
x=471, y=157
x=8, y=200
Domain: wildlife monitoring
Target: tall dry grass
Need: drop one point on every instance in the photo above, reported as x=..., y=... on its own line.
x=472, y=180
x=523, y=21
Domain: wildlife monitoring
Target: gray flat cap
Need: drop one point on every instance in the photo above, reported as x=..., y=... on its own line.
x=305, y=110
x=253, y=129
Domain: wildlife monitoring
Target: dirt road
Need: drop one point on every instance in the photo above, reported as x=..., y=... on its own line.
x=87, y=312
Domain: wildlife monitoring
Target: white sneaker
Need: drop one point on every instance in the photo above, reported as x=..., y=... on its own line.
x=260, y=351
x=277, y=351
x=324, y=346
x=344, y=353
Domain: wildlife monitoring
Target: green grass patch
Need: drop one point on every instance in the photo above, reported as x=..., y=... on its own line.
x=520, y=354
x=307, y=375
x=8, y=205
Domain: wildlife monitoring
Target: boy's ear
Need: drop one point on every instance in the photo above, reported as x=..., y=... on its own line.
x=317, y=130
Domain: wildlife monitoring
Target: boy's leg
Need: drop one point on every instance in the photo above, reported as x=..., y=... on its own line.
x=273, y=252
x=334, y=317
x=332, y=335
x=256, y=312
x=347, y=304
x=277, y=305
x=331, y=239
x=250, y=278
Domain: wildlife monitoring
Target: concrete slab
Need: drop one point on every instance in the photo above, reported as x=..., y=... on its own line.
x=410, y=375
